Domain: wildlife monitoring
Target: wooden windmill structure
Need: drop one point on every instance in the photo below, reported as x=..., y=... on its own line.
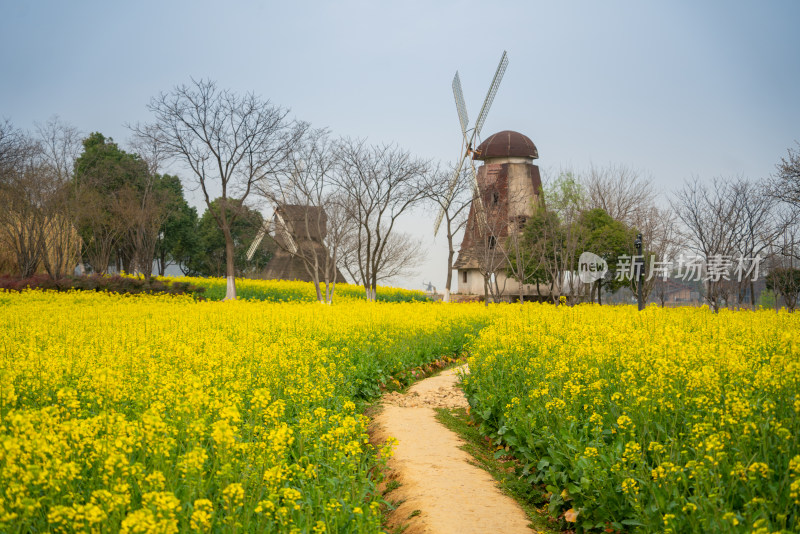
x=299, y=231
x=505, y=189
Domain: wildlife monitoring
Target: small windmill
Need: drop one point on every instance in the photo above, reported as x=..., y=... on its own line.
x=280, y=226
x=287, y=236
x=263, y=231
x=469, y=140
x=280, y=223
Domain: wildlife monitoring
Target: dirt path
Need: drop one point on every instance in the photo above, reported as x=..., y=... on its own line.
x=452, y=495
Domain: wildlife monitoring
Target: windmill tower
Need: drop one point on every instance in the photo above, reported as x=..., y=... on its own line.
x=300, y=232
x=509, y=187
x=504, y=191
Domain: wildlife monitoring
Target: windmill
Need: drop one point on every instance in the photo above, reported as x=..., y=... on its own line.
x=468, y=139
x=280, y=227
x=263, y=231
x=281, y=224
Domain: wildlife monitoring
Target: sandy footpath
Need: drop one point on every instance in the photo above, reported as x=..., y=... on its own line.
x=437, y=479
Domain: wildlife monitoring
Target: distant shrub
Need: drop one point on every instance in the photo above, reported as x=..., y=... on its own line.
x=96, y=282
x=293, y=290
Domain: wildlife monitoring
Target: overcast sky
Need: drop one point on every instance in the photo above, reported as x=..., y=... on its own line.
x=674, y=89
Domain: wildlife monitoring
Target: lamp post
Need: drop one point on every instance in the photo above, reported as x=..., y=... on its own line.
x=639, y=270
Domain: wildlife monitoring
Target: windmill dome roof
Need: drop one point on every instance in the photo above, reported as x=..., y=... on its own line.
x=506, y=144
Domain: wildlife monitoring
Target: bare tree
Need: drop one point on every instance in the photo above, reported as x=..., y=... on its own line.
x=15, y=148
x=319, y=226
x=401, y=257
x=659, y=229
x=761, y=223
x=25, y=184
x=380, y=184
x=228, y=142
x=147, y=144
x=144, y=212
x=103, y=219
x=60, y=145
x=340, y=230
x=711, y=217
x=151, y=206
x=492, y=258
x=454, y=210
x=785, y=186
x=621, y=191
x=783, y=258
x=22, y=219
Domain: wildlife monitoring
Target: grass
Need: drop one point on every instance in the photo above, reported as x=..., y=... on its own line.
x=502, y=468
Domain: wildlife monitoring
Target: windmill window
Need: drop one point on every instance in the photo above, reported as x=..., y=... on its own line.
x=495, y=198
x=492, y=241
x=464, y=276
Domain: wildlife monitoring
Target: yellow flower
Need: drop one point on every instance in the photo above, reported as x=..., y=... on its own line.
x=202, y=515
x=629, y=486
x=233, y=495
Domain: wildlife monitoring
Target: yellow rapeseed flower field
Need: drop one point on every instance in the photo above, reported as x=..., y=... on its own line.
x=668, y=420
x=144, y=414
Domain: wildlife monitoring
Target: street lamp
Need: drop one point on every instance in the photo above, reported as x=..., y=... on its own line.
x=639, y=269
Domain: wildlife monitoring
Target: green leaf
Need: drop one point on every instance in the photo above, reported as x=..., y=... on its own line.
x=632, y=522
x=542, y=464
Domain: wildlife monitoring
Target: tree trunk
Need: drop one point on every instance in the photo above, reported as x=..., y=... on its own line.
x=449, y=282
x=315, y=278
x=329, y=286
x=230, y=269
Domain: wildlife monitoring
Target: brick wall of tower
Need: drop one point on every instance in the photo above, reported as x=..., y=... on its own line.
x=502, y=212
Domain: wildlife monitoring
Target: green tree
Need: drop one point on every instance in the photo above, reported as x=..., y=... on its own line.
x=212, y=258
x=178, y=239
x=538, y=249
x=609, y=239
x=566, y=197
x=106, y=167
x=107, y=183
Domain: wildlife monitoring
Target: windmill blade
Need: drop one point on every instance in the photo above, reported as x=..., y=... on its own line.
x=487, y=103
x=264, y=230
x=478, y=201
x=287, y=237
x=450, y=192
x=461, y=107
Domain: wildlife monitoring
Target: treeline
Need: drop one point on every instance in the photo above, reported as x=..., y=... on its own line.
x=84, y=200
x=718, y=238
x=73, y=201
